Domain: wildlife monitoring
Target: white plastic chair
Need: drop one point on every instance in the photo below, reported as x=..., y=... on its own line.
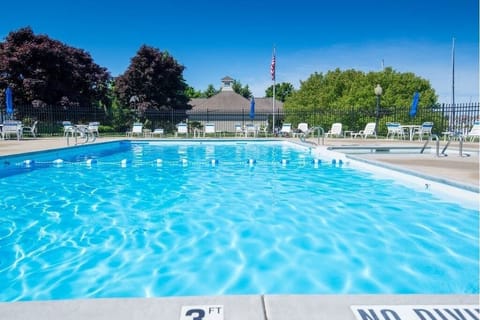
x=68, y=128
x=286, y=129
x=335, y=130
x=303, y=127
x=395, y=129
x=263, y=128
x=182, y=128
x=238, y=130
x=137, y=129
x=30, y=129
x=475, y=131
x=209, y=129
x=158, y=132
x=12, y=127
x=368, y=131
x=250, y=129
x=93, y=128
x=425, y=129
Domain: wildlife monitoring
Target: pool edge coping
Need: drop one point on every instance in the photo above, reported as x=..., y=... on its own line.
x=261, y=307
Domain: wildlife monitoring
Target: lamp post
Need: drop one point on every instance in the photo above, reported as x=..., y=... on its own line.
x=378, y=92
x=133, y=104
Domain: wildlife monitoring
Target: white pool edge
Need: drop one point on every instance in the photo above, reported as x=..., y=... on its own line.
x=251, y=307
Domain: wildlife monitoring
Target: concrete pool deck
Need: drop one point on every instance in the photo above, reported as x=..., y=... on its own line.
x=462, y=170
x=250, y=307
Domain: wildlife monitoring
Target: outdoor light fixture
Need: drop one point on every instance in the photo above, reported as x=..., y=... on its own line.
x=133, y=102
x=378, y=92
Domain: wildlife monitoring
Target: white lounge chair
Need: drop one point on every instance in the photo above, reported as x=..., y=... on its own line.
x=263, y=128
x=182, y=128
x=335, y=130
x=158, y=132
x=303, y=127
x=239, y=130
x=475, y=131
x=286, y=129
x=425, y=129
x=250, y=128
x=93, y=128
x=368, y=131
x=395, y=129
x=68, y=128
x=137, y=130
x=209, y=129
x=32, y=130
x=12, y=127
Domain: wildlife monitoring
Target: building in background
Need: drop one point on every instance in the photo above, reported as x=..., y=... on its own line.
x=228, y=108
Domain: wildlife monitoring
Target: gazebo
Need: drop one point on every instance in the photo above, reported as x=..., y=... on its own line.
x=228, y=108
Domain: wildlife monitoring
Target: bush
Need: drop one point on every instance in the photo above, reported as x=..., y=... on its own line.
x=106, y=129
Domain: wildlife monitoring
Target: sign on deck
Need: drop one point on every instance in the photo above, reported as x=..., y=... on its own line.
x=214, y=312
x=417, y=312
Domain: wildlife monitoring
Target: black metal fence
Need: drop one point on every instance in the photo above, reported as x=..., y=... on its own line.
x=446, y=117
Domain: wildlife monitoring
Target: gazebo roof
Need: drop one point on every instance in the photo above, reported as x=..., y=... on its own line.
x=227, y=78
x=230, y=101
x=225, y=100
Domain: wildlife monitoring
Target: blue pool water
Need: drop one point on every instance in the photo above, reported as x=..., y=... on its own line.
x=168, y=219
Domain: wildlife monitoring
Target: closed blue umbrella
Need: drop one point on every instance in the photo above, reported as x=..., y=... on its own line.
x=413, y=108
x=9, y=101
x=252, y=108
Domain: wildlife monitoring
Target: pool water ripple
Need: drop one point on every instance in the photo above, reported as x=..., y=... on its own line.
x=146, y=230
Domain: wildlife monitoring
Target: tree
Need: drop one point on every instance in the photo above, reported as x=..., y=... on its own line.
x=153, y=81
x=236, y=86
x=210, y=91
x=282, y=91
x=45, y=71
x=337, y=92
x=191, y=93
x=243, y=91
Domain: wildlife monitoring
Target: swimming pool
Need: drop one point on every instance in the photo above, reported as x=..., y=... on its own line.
x=143, y=219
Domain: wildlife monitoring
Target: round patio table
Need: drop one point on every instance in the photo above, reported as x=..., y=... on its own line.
x=411, y=128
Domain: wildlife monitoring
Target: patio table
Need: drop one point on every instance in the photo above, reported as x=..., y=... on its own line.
x=411, y=128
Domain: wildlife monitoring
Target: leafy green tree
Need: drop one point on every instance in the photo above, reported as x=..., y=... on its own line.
x=282, y=91
x=244, y=91
x=210, y=91
x=236, y=86
x=348, y=97
x=153, y=81
x=191, y=93
x=44, y=71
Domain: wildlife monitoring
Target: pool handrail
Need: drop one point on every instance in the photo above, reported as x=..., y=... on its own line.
x=79, y=130
x=321, y=133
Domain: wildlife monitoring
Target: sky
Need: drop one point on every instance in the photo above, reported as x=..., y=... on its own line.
x=214, y=39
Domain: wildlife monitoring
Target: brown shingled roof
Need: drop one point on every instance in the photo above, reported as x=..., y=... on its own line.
x=232, y=101
x=226, y=101
x=265, y=105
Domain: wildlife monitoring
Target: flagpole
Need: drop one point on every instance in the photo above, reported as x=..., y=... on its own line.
x=273, y=108
x=453, y=85
x=272, y=71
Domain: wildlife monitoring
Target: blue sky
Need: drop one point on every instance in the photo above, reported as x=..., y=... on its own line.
x=215, y=38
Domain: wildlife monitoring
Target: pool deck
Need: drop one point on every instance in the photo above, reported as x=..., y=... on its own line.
x=461, y=170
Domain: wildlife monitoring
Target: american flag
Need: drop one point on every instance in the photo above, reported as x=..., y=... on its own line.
x=272, y=66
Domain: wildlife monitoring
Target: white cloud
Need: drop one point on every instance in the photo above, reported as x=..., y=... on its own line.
x=431, y=62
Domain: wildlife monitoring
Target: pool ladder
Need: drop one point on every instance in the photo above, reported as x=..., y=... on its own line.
x=86, y=134
x=320, y=131
x=437, y=145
